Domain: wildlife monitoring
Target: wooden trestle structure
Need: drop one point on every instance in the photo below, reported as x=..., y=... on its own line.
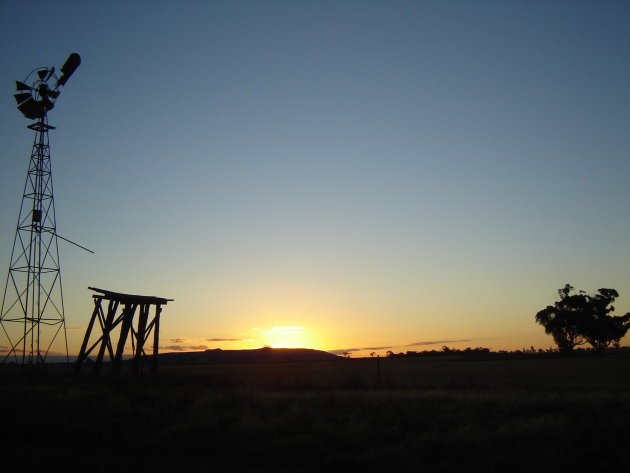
x=140, y=331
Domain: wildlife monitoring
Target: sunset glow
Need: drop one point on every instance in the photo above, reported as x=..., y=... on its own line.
x=285, y=337
x=355, y=176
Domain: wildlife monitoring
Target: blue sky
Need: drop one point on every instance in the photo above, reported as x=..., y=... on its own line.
x=376, y=173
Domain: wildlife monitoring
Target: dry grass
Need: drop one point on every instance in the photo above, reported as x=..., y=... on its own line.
x=516, y=415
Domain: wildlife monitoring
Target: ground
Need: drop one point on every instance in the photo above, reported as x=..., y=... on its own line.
x=538, y=414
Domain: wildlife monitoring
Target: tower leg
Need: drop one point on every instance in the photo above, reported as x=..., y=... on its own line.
x=108, y=326
x=88, y=332
x=128, y=313
x=140, y=336
x=156, y=339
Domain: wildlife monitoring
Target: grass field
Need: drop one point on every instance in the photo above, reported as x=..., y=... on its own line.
x=535, y=415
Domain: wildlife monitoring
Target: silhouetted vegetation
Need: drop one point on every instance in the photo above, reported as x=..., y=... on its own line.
x=600, y=328
x=444, y=351
x=580, y=318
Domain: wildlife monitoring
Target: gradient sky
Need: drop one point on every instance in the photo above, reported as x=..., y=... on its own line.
x=331, y=174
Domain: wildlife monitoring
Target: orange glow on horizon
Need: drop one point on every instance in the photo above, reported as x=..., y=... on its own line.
x=285, y=337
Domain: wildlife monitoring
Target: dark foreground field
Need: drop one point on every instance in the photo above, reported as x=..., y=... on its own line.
x=532, y=415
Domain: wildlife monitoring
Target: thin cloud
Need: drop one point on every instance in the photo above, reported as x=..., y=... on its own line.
x=351, y=350
x=416, y=344
x=55, y=353
x=223, y=340
x=345, y=350
x=184, y=347
x=173, y=348
x=435, y=342
x=198, y=347
x=178, y=340
x=18, y=352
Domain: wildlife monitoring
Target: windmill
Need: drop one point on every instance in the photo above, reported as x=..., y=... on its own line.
x=32, y=312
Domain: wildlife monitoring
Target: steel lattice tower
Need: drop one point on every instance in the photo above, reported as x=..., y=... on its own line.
x=32, y=314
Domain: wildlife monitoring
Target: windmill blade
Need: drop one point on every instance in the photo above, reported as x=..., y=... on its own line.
x=47, y=103
x=21, y=86
x=19, y=98
x=42, y=73
x=50, y=73
x=32, y=109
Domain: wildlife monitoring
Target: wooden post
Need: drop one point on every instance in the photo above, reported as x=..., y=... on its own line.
x=108, y=325
x=82, y=355
x=127, y=321
x=156, y=338
x=113, y=307
x=142, y=325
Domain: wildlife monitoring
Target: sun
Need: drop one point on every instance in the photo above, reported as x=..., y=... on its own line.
x=286, y=337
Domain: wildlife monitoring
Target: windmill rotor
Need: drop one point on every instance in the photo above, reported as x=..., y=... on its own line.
x=38, y=92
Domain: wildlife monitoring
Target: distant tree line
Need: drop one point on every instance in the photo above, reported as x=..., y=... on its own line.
x=580, y=318
x=444, y=351
x=485, y=353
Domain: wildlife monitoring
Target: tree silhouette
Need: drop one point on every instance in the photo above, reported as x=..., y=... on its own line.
x=601, y=329
x=565, y=319
x=579, y=318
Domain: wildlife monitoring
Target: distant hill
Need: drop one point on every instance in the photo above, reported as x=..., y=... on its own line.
x=259, y=355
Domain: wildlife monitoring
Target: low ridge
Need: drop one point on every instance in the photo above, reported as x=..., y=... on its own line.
x=265, y=354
